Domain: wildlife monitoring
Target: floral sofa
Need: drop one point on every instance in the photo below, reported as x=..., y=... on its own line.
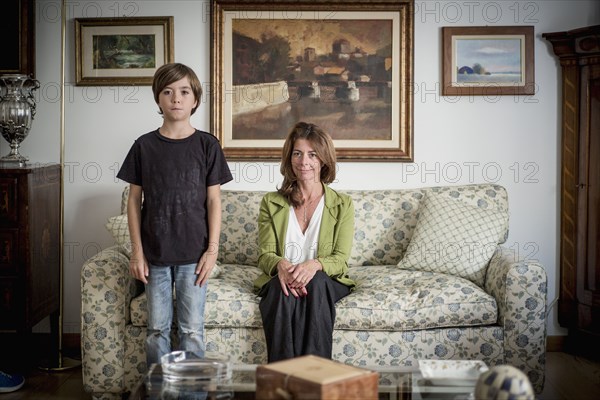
x=433, y=282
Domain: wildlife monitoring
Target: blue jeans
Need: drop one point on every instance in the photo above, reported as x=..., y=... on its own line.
x=190, y=310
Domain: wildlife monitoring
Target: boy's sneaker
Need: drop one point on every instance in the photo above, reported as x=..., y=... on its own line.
x=10, y=383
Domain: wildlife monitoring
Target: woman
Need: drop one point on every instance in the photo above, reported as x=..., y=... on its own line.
x=305, y=237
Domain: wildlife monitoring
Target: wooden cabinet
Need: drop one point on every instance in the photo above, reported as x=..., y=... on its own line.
x=29, y=246
x=579, y=302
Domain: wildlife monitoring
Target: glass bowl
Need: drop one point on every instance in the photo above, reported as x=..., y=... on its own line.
x=212, y=368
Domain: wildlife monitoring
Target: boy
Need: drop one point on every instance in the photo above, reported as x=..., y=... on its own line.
x=175, y=231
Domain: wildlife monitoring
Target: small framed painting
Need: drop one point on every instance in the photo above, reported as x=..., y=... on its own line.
x=497, y=60
x=121, y=51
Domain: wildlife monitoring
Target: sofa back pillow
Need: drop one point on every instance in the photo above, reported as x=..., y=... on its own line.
x=385, y=220
x=239, y=227
x=454, y=238
x=383, y=224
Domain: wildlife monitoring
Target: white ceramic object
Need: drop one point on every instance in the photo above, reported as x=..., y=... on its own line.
x=452, y=372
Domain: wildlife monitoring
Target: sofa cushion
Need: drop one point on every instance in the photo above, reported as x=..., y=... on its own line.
x=454, y=238
x=383, y=225
x=239, y=227
x=384, y=220
x=230, y=299
x=386, y=299
x=390, y=299
x=118, y=228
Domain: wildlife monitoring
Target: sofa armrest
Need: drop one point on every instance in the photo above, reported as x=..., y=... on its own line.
x=106, y=292
x=520, y=290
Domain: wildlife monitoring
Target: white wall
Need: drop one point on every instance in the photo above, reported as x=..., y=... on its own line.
x=513, y=141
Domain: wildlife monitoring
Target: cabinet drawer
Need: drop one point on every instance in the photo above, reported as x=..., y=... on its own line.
x=8, y=304
x=9, y=250
x=8, y=200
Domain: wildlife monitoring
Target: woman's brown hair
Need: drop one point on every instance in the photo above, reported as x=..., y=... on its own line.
x=323, y=146
x=170, y=73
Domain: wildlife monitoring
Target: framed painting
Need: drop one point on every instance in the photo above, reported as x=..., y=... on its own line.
x=345, y=66
x=488, y=60
x=121, y=51
x=18, y=37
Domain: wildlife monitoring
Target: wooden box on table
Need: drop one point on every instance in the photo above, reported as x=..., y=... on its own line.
x=312, y=377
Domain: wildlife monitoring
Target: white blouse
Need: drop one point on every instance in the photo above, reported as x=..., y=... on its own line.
x=299, y=246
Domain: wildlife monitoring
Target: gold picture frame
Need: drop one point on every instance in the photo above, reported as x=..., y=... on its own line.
x=488, y=60
x=346, y=66
x=121, y=51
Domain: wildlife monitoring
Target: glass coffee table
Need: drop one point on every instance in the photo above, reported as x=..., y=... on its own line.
x=395, y=383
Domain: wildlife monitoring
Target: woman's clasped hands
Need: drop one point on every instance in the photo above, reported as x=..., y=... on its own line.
x=294, y=277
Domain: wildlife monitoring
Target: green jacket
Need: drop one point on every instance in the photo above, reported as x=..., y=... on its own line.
x=335, y=235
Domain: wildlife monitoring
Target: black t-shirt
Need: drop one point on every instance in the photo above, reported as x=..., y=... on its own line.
x=174, y=175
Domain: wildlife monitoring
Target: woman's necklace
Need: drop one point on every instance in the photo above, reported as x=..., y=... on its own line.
x=307, y=203
x=305, y=207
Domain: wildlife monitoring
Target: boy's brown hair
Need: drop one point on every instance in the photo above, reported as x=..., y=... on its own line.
x=169, y=73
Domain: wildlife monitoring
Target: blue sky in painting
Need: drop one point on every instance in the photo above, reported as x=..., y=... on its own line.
x=495, y=55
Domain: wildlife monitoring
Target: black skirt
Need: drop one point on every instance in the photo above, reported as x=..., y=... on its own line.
x=296, y=326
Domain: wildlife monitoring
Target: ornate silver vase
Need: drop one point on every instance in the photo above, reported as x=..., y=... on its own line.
x=17, y=109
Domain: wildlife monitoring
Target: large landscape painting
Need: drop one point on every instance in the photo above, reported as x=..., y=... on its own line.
x=345, y=66
x=335, y=74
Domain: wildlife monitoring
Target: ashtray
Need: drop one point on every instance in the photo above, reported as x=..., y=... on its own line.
x=180, y=366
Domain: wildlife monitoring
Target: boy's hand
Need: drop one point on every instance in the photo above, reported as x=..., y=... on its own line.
x=205, y=266
x=138, y=267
